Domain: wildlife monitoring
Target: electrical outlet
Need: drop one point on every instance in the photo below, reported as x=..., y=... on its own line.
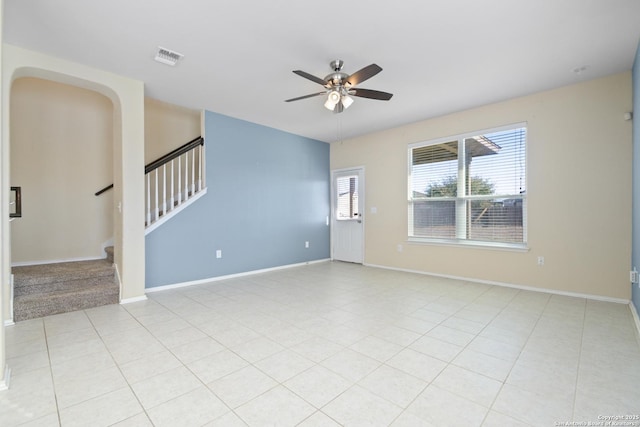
x=540, y=260
x=306, y=245
x=219, y=254
x=633, y=275
x=399, y=248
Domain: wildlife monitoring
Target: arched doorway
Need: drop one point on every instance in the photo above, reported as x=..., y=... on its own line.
x=127, y=96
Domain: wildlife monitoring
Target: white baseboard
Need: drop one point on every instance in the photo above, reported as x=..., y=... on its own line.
x=509, y=285
x=9, y=322
x=6, y=380
x=636, y=318
x=231, y=276
x=134, y=299
x=55, y=261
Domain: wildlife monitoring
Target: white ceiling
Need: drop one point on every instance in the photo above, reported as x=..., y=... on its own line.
x=437, y=56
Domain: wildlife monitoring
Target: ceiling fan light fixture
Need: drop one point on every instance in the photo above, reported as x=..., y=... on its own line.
x=347, y=101
x=339, y=87
x=332, y=100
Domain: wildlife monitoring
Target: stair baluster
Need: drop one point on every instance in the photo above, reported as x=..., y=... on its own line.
x=186, y=176
x=179, y=181
x=148, y=199
x=172, y=204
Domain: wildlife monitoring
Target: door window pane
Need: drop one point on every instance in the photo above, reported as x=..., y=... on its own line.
x=347, y=203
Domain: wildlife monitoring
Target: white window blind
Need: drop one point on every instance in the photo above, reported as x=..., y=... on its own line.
x=470, y=188
x=347, y=187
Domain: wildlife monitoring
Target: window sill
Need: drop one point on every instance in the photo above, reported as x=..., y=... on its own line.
x=512, y=247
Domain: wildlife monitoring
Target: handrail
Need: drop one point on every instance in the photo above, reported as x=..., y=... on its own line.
x=173, y=154
x=164, y=159
x=108, y=187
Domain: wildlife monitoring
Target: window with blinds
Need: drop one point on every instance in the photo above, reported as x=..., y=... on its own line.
x=347, y=203
x=470, y=188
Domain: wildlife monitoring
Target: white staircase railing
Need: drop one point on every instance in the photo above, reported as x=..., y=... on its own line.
x=173, y=180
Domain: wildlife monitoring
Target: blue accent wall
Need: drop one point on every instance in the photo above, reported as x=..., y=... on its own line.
x=268, y=192
x=635, y=251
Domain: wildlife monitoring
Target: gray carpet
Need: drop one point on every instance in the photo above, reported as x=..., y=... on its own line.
x=42, y=290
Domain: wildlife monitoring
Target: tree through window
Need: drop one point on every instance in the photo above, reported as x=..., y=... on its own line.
x=469, y=188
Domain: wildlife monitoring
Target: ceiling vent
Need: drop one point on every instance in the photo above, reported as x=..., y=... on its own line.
x=167, y=56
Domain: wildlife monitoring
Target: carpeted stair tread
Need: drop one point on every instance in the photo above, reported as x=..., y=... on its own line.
x=46, y=289
x=48, y=298
x=39, y=305
x=63, y=271
x=109, y=252
x=63, y=285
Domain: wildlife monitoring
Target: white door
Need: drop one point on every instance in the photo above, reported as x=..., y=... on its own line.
x=347, y=202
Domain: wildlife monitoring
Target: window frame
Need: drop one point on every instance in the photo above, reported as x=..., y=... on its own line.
x=458, y=241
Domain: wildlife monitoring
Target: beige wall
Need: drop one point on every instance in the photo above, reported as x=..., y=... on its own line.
x=578, y=186
x=166, y=127
x=127, y=96
x=61, y=154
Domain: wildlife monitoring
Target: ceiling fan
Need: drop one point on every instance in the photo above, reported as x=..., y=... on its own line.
x=340, y=87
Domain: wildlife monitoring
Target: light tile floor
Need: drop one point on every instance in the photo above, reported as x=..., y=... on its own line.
x=325, y=345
